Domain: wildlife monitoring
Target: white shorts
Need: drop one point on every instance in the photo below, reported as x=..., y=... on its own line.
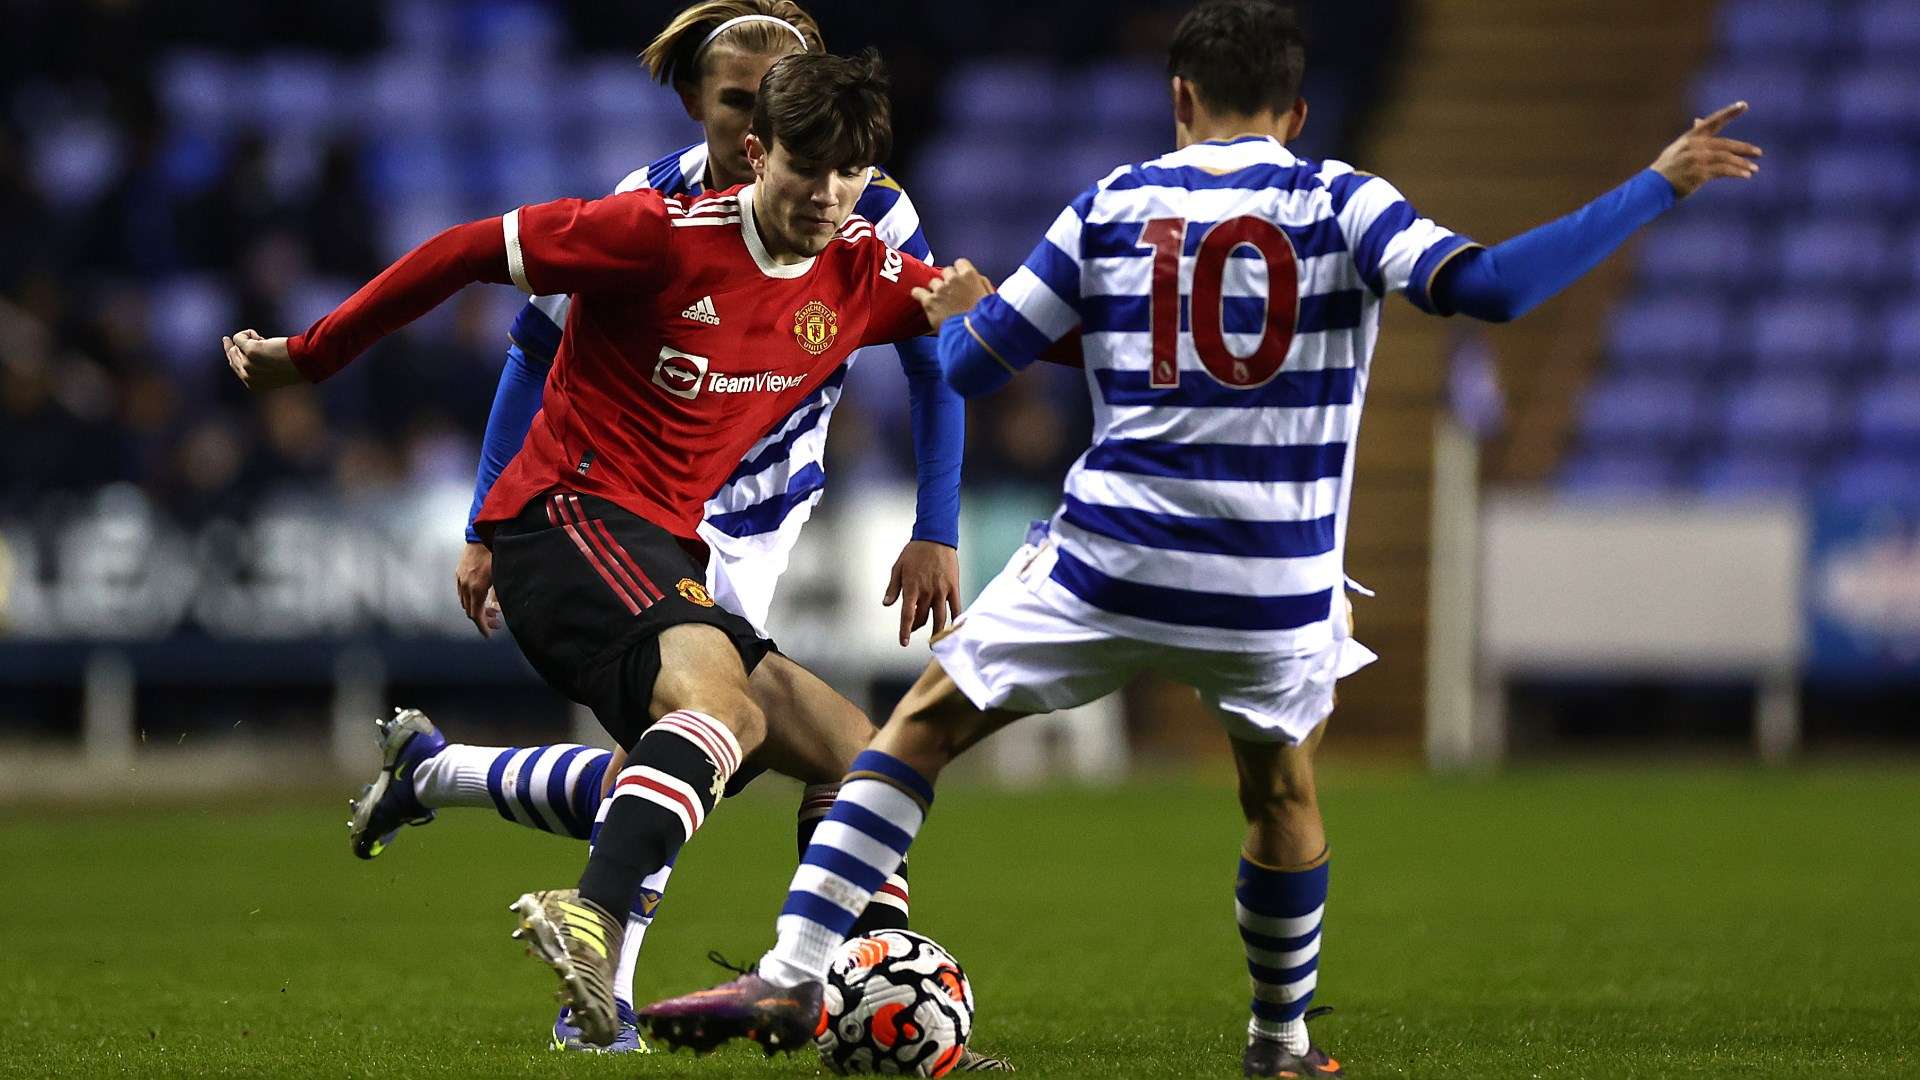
x=1012, y=650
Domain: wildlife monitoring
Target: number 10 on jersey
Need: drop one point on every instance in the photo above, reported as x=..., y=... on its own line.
x=1207, y=305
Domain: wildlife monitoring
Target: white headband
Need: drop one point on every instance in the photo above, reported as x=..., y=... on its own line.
x=731, y=23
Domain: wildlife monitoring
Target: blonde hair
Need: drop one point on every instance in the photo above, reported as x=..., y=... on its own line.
x=673, y=56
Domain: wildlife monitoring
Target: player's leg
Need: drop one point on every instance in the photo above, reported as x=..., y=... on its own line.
x=555, y=787
x=1009, y=656
x=813, y=734
x=1274, y=710
x=882, y=803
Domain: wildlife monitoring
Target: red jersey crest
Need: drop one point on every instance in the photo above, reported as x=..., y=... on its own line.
x=815, y=326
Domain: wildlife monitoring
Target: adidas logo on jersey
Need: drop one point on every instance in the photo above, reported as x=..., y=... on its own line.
x=701, y=310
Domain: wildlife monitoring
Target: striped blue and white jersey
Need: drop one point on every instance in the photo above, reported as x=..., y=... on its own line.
x=1228, y=298
x=755, y=518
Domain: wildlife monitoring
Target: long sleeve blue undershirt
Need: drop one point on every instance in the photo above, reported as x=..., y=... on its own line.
x=1494, y=284
x=937, y=414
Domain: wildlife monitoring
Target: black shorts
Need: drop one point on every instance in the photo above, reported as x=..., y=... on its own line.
x=587, y=588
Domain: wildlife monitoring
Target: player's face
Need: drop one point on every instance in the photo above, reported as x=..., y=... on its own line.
x=802, y=204
x=722, y=102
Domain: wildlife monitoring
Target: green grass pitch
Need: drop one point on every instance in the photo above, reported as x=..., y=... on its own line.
x=1713, y=922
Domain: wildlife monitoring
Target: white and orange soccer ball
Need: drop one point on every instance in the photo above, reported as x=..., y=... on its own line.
x=896, y=1003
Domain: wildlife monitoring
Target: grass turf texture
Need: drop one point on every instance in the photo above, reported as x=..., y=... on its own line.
x=1709, y=923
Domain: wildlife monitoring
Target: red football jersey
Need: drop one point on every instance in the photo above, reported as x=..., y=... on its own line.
x=685, y=342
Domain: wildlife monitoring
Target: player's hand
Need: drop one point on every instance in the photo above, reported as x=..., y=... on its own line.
x=263, y=363
x=926, y=582
x=473, y=578
x=1702, y=155
x=954, y=292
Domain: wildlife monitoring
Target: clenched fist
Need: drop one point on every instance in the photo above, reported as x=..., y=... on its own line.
x=957, y=289
x=263, y=363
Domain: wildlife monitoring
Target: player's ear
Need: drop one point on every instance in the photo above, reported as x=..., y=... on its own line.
x=690, y=100
x=1182, y=102
x=1296, y=119
x=756, y=156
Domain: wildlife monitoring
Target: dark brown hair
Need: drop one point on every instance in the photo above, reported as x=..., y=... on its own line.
x=1242, y=56
x=826, y=110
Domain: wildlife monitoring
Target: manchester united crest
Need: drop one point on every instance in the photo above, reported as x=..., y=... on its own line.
x=815, y=326
x=694, y=592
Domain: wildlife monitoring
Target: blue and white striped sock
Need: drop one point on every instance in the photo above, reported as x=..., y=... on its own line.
x=1280, y=913
x=890, y=908
x=553, y=788
x=882, y=804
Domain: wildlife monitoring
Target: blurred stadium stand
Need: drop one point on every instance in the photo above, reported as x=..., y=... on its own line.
x=1769, y=343
x=274, y=562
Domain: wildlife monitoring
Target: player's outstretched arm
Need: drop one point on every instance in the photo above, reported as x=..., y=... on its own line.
x=411, y=287
x=1512, y=278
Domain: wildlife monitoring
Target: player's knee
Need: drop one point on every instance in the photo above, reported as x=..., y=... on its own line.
x=1282, y=801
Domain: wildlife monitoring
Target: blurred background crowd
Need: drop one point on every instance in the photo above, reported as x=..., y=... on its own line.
x=172, y=170
x=1747, y=373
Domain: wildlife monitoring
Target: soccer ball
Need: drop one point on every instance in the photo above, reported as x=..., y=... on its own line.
x=896, y=1003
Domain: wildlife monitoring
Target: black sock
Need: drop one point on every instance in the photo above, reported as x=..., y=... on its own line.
x=672, y=779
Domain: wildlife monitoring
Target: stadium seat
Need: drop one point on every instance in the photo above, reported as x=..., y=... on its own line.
x=1678, y=333
x=1122, y=98
x=1694, y=250
x=1796, y=334
x=1888, y=28
x=199, y=90
x=1900, y=336
x=1742, y=475
x=1872, y=477
x=1851, y=177
x=1781, y=414
x=303, y=96
x=401, y=94
x=1773, y=27
x=1834, y=254
x=1888, y=414
x=1779, y=87
x=1008, y=96
x=1640, y=410
x=1880, y=99
x=186, y=316
x=1616, y=472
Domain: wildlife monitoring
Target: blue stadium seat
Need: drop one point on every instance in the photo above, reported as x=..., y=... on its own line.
x=186, y=316
x=1798, y=334
x=1670, y=333
x=1900, y=336
x=1882, y=99
x=1779, y=87
x=1781, y=414
x=199, y=90
x=1852, y=254
x=1851, y=176
x=304, y=95
x=1773, y=27
x=1888, y=414
x=1004, y=96
x=1640, y=410
x=1693, y=250
x=1887, y=28
x=1874, y=477
x=402, y=94
x=1743, y=475
x=1618, y=472
x=1122, y=98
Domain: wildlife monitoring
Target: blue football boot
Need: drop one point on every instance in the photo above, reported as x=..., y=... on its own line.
x=388, y=804
x=567, y=1037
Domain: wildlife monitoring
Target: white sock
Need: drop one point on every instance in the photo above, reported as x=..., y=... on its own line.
x=456, y=776
x=638, y=920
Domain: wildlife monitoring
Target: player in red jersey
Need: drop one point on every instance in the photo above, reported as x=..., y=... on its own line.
x=597, y=563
